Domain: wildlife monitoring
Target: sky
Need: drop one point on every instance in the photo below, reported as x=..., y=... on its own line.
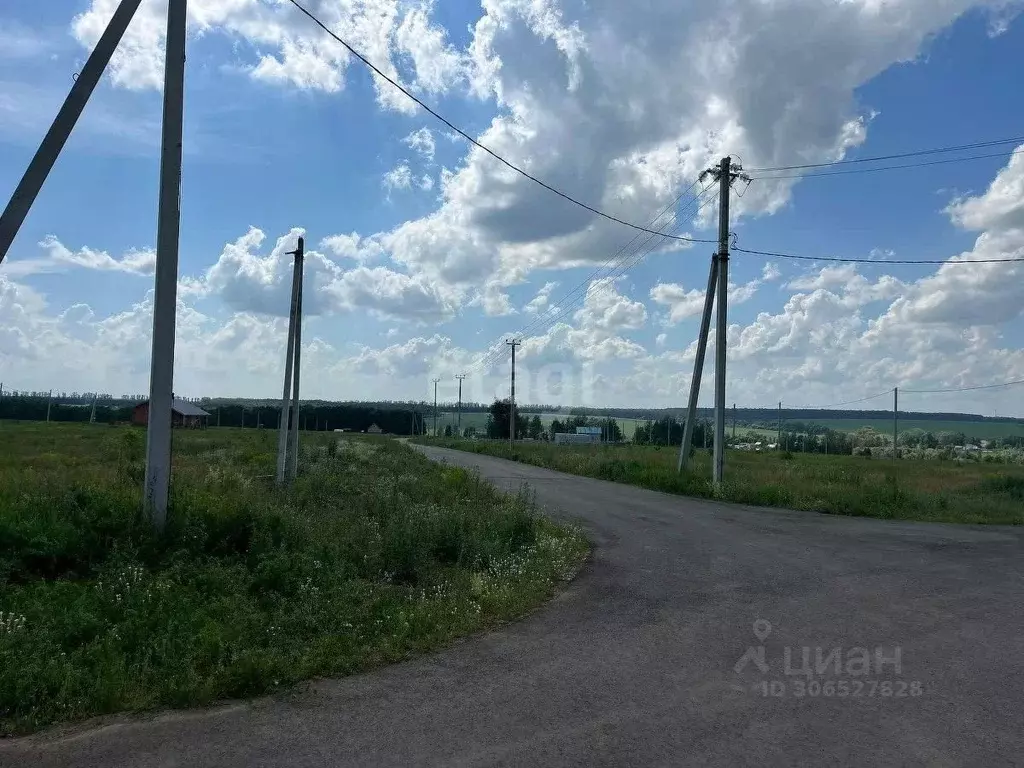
x=424, y=254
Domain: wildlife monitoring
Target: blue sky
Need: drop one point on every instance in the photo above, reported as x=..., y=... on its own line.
x=426, y=254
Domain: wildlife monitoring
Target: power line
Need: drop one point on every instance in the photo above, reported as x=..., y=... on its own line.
x=625, y=260
x=839, y=405
x=777, y=255
x=899, y=156
x=887, y=167
x=961, y=389
x=482, y=147
x=625, y=264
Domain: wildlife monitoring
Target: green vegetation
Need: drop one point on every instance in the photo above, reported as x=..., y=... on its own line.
x=937, y=491
x=374, y=554
x=972, y=429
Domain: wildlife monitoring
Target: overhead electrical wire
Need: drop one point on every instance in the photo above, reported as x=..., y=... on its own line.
x=778, y=255
x=960, y=389
x=482, y=147
x=898, y=156
x=849, y=171
x=625, y=261
x=838, y=405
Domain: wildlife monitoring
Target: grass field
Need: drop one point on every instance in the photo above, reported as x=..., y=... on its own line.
x=845, y=485
x=373, y=554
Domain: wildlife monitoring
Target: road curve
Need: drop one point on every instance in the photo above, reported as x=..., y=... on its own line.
x=635, y=664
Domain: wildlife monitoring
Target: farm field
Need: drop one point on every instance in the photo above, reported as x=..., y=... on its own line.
x=372, y=555
x=845, y=485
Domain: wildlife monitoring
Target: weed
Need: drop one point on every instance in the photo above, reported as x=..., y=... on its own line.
x=373, y=553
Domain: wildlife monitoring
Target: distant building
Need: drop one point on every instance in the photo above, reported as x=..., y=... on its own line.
x=588, y=431
x=374, y=430
x=183, y=414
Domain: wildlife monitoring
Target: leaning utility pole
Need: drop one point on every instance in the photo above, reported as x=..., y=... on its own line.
x=161, y=376
x=282, y=432
x=293, y=470
x=512, y=403
x=50, y=148
x=698, y=366
x=460, y=377
x=435, y=406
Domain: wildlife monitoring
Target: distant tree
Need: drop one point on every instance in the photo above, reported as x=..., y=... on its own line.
x=447, y=430
x=557, y=427
x=536, y=427
x=469, y=432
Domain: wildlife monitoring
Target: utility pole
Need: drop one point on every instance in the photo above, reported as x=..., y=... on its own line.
x=725, y=177
x=92, y=416
x=718, y=282
x=460, y=377
x=282, y=432
x=218, y=416
x=734, y=421
x=895, y=419
x=49, y=398
x=297, y=368
x=512, y=410
x=435, y=406
x=161, y=376
x=50, y=148
x=779, y=441
x=698, y=366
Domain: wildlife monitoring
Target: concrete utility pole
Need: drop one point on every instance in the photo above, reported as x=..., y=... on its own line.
x=698, y=366
x=460, y=377
x=282, y=432
x=734, y=421
x=435, y=406
x=297, y=369
x=92, y=416
x=512, y=410
x=49, y=398
x=895, y=419
x=50, y=148
x=722, y=323
x=779, y=441
x=161, y=376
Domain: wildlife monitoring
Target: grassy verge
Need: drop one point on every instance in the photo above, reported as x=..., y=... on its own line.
x=845, y=485
x=373, y=555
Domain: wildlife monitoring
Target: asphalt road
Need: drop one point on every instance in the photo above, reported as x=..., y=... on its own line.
x=635, y=664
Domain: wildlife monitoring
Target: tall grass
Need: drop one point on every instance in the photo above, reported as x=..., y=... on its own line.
x=845, y=485
x=372, y=555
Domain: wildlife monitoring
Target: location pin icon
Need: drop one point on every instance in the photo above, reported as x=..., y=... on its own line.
x=762, y=628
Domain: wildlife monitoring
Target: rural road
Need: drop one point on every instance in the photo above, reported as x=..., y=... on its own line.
x=635, y=663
